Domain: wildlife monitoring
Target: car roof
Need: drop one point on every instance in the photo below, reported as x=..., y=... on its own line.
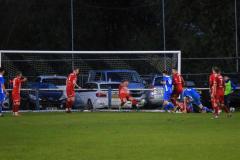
x=103, y=82
x=52, y=77
x=113, y=70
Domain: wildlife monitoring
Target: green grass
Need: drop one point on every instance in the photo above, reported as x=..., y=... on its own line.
x=120, y=136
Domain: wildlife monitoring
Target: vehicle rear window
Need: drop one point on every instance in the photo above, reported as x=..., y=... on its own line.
x=98, y=76
x=120, y=76
x=91, y=86
x=55, y=81
x=106, y=86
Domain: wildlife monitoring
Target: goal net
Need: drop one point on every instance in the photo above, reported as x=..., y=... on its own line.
x=35, y=63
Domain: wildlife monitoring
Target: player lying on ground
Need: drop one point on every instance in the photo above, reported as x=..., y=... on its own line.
x=217, y=89
x=16, y=98
x=191, y=97
x=167, y=85
x=125, y=96
x=178, y=84
x=3, y=92
x=71, y=83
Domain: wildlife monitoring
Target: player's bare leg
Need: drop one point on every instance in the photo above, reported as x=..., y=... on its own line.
x=174, y=99
x=216, y=109
x=1, y=114
x=134, y=102
x=201, y=108
x=16, y=106
x=69, y=104
x=224, y=107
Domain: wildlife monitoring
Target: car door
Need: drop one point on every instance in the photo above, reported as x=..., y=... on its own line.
x=89, y=92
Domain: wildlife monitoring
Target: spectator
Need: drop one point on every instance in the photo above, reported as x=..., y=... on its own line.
x=230, y=87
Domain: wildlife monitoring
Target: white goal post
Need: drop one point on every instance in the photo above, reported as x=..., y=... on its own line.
x=176, y=54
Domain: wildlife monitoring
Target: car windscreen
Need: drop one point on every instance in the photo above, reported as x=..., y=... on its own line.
x=106, y=86
x=158, y=81
x=55, y=81
x=120, y=76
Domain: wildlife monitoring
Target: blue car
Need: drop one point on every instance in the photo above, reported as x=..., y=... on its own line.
x=51, y=92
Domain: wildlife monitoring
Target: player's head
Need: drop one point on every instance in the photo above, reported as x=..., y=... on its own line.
x=165, y=72
x=125, y=82
x=216, y=70
x=2, y=71
x=174, y=71
x=76, y=70
x=19, y=74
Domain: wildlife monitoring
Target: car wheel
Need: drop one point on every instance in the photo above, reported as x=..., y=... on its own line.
x=89, y=105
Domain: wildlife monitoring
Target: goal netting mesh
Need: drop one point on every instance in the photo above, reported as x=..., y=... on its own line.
x=35, y=63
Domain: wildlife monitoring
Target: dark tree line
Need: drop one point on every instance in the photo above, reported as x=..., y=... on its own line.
x=199, y=28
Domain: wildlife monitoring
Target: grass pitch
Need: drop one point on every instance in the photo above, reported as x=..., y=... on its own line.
x=119, y=136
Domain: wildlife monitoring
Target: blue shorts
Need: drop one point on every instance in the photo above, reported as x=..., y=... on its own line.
x=167, y=96
x=197, y=102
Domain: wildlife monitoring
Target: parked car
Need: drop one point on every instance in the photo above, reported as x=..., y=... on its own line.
x=136, y=83
x=97, y=95
x=51, y=91
x=154, y=96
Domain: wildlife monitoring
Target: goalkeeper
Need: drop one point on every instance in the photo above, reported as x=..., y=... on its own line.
x=124, y=94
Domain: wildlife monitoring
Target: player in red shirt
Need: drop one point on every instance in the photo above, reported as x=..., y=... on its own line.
x=71, y=83
x=217, y=87
x=212, y=87
x=220, y=88
x=178, y=83
x=16, y=98
x=124, y=94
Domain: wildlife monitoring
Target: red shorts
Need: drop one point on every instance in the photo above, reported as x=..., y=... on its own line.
x=16, y=98
x=177, y=92
x=70, y=93
x=220, y=99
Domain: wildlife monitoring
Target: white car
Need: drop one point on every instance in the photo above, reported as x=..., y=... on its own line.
x=96, y=95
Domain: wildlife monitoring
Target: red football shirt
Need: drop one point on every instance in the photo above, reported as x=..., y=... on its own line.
x=213, y=83
x=17, y=83
x=123, y=92
x=71, y=81
x=220, y=85
x=178, y=81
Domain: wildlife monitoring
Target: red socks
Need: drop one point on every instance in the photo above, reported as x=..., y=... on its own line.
x=216, y=111
x=15, y=108
x=69, y=104
x=225, y=109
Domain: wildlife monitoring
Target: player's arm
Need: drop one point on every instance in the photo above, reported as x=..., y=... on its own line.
x=185, y=103
x=214, y=88
x=76, y=85
x=4, y=89
x=210, y=84
x=24, y=79
x=183, y=82
x=163, y=81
